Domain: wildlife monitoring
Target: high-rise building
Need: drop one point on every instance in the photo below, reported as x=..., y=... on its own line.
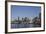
x=40, y=15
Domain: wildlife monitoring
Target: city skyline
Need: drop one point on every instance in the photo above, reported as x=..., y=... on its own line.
x=25, y=11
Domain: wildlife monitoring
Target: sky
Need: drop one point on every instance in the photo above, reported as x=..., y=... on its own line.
x=24, y=11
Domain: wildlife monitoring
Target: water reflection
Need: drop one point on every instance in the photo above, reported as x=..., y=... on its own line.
x=24, y=25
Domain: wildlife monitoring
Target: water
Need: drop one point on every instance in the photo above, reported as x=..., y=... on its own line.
x=24, y=25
